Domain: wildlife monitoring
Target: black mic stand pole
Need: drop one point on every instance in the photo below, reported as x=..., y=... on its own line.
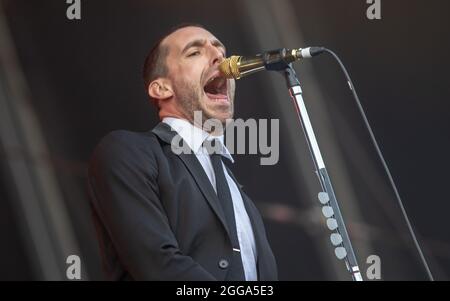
x=335, y=221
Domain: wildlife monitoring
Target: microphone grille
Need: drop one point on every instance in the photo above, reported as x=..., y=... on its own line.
x=230, y=67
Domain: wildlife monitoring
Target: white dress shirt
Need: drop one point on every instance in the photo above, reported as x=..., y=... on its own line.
x=195, y=137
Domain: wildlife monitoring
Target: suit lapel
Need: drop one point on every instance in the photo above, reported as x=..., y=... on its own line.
x=165, y=133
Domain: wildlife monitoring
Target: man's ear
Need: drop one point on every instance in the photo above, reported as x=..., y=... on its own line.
x=160, y=89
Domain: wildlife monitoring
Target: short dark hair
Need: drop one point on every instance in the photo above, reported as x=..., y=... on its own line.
x=155, y=62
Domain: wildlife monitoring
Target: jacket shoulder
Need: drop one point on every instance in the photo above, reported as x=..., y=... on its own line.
x=121, y=147
x=128, y=140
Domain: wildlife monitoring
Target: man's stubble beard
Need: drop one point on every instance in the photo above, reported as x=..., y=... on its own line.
x=188, y=97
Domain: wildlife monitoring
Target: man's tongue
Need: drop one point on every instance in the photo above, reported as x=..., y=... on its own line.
x=215, y=91
x=217, y=96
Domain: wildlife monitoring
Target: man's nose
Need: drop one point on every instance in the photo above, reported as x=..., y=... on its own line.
x=216, y=56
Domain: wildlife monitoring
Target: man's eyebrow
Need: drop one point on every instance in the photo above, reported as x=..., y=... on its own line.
x=218, y=43
x=202, y=42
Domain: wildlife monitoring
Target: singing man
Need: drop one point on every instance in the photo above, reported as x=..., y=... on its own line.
x=166, y=215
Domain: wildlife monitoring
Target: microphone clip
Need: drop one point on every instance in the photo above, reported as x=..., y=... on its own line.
x=279, y=59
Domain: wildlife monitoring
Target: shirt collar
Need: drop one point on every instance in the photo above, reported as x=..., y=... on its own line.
x=195, y=136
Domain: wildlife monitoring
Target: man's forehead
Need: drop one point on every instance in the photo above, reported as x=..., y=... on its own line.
x=181, y=37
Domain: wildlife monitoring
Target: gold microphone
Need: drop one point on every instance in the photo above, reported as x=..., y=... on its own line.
x=239, y=66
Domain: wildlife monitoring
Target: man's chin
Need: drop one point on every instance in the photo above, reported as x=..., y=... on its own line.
x=221, y=115
x=214, y=119
x=218, y=111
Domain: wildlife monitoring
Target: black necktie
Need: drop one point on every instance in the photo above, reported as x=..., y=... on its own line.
x=236, y=271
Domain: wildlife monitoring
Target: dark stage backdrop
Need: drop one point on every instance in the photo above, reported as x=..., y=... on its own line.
x=83, y=80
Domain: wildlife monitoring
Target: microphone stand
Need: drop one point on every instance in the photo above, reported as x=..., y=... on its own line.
x=327, y=197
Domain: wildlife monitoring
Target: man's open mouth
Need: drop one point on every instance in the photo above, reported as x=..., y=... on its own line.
x=216, y=88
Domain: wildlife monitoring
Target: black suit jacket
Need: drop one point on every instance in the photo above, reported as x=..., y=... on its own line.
x=157, y=214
